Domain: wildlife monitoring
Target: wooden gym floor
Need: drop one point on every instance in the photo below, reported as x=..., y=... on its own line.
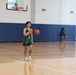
x=49, y=58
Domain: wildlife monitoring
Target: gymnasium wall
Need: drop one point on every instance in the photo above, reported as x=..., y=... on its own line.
x=11, y=32
x=47, y=12
x=56, y=12
x=42, y=12
x=75, y=32
x=68, y=12
x=51, y=32
x=48, y=32
x=13, y=16
x=48, y=16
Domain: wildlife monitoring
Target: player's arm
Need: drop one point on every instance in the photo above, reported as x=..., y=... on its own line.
x=24, y=32
x=32, y=35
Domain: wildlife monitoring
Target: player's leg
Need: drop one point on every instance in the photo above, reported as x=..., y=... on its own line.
x=30, y=52
x=25, y=53
x=64, y=38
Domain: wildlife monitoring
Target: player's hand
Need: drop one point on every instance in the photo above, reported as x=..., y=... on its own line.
x=32, y=42
x=30, y=32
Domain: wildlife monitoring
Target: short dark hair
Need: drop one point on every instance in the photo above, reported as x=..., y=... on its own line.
x=28, y=22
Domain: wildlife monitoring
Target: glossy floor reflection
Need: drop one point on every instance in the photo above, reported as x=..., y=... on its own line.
x=49, y=58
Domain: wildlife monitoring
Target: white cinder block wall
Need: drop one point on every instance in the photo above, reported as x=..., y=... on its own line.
x=57, y=12
x=52, y=13
x=13, y=16
x=66, y=16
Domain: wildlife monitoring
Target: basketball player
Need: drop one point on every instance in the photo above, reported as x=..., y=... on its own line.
x=28, y=40
x=63, y=33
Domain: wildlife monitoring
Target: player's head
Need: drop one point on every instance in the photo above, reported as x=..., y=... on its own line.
x=63, y=28
x=28, y=24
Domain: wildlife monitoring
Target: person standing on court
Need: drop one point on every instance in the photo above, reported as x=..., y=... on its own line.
x=28, y=40
x=63, y=33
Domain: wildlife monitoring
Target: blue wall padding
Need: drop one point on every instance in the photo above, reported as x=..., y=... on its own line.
x=48, y=32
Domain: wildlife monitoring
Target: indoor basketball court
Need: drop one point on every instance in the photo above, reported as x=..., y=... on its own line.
x=51, y=33
x=48, y=58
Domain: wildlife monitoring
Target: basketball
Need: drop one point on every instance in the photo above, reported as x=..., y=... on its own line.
x=36, y=31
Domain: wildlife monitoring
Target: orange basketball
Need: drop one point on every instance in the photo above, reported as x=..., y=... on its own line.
x=36, y=32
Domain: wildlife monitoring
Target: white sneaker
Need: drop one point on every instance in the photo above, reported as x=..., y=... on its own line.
x=30, y=58
x=26, y=58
